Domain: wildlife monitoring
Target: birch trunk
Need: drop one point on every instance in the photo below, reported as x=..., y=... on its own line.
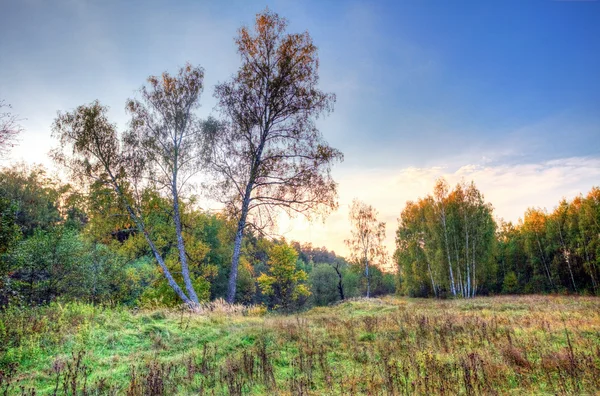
x=452, y=287
x=141, y=228
x=180, y=244
x=566, y=254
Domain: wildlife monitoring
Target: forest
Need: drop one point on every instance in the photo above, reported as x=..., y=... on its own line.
x=61, y=244
x=114, y=278
x=450, y=245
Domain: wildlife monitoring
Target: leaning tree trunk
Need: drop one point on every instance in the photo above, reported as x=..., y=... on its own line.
x=544, y=262
x=141, y=228
x=180, y=245
x=431, y=276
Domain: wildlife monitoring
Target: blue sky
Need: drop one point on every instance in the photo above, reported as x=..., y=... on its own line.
x=489, y=90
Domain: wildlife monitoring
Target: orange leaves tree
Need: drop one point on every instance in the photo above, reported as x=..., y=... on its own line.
x=268, y=154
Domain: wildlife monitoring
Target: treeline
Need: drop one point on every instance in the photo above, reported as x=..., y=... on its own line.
x=58, y=244
x=448, y=244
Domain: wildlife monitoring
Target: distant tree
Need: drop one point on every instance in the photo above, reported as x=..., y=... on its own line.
x=446, y=242
x=9, y=128
x=416, y=250
x=534, y=230
x=270, y=155
x=584, y=226
x=440, y=194
x=163, y=144
x=511, y=256
x=45, y=263
x=366, y=245
x=284, y=282
x=558, y=234
x=36, y=195
x=323, y=285
x=340, y=265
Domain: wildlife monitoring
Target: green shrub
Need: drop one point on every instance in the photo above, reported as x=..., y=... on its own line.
x=160, y=294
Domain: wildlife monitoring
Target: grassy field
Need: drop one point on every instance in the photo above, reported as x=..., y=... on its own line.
x=499, y=345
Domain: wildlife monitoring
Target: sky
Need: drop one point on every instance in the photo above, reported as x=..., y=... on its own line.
x=504, y=93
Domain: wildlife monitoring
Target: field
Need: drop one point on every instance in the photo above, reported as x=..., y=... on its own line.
x=499, y=345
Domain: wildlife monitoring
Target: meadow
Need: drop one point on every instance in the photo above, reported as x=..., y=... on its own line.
x=388, y=346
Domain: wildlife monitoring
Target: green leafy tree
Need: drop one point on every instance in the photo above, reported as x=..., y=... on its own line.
x=445, y=243
x=9, y=230
x=36, y=196
x=284, y=282
x=9, y=235
x=323, y=285
x=160, y=152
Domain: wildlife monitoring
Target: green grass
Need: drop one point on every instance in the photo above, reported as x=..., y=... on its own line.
x=515, y=345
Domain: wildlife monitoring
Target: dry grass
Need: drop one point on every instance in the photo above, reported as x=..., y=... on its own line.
x=500, y=345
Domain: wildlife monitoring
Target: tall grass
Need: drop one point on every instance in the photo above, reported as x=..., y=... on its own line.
x=520, y=345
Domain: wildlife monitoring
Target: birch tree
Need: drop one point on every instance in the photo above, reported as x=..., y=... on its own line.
x=269, y=155
x=366, y=244
x=168, y=143
x=440, y=193
x=446, y=240
x=557, y=228
x=162, y=147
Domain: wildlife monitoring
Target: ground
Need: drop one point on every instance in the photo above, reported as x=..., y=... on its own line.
x=389, y=346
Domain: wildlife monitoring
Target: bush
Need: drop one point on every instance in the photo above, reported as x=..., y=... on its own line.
x=160, y=294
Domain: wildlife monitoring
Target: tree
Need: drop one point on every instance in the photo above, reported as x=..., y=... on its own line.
x=36, y=195
x=585, y=226
x=366, y=245
x=163, y=143
x=440, y=193
x=284, y=282
x=9, y=236
x=339, y=265
x=445, y=242
x=9, y=128
x=168, y=143
x=323, y=285
x=269, y=155
x=416, y=249
x=9, y=229
x=534, y=229
x=557, y=230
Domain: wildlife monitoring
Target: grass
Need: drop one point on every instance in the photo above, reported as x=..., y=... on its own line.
x=499, y=345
